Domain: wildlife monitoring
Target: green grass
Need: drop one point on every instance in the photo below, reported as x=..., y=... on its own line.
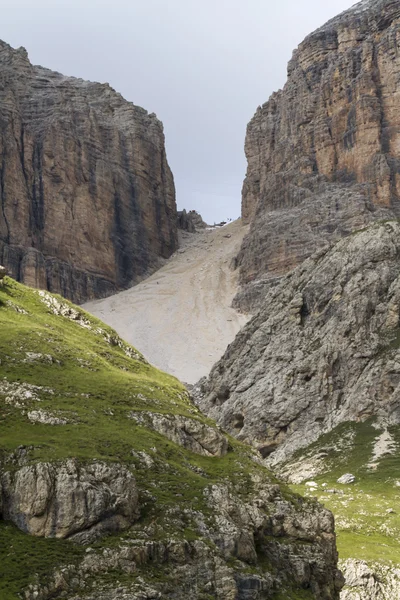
x=364, y=529
x=94, y=384
x=22, y=555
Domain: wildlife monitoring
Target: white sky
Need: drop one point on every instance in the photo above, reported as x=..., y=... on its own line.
x=203, y=66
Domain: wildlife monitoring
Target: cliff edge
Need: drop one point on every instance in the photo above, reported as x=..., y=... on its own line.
x=86, y=194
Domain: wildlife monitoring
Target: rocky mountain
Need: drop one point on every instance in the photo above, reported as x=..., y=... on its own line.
x=323, y=350
x=87, y=196
x=323, y=153
x=312, y=381
x=113, y=485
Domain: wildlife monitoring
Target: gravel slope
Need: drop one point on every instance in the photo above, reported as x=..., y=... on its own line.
x=180, y=318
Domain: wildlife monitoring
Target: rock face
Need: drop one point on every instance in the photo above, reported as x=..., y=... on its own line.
x=323, y=350
x=323, y=153
x=190, y=221
x=189, y=433
x=65, y=500
x=87, y=197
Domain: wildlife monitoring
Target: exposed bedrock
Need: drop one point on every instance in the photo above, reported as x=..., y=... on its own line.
x=323, y=350
x=86, y=194
x=324, y=153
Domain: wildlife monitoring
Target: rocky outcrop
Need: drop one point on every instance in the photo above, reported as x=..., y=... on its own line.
x=323, y=153
x=190, y=221
x=95, y=440
x=86, y=194
x=324, y=349
x=70, y=500
x=298, y=545
x=370, y=582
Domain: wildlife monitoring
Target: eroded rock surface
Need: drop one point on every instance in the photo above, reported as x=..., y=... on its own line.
x=324, y=349
x=189, y=433
x=369, y=582
x=323, y=153
x=191, y=515
x=190, y=221
x=86, y=194
x=69, y=500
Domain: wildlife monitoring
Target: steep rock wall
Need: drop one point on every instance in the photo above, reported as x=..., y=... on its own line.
x=86, y=194
x=324, y=153
x=323, y=350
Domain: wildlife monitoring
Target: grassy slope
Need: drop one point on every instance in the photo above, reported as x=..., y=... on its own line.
x=95, y=384
x=364, y=529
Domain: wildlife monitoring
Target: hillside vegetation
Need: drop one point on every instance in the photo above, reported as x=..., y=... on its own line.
x=115, y=486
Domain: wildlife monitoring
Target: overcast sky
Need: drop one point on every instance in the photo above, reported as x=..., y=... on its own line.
x=203, y=66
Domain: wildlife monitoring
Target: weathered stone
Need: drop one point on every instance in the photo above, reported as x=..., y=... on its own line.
x=69, y=499
x=370, y=581
x=346, y=479
x=324, y=349
x=87, y=197
x=189, y=433
x=323, y=153
x=190, y=221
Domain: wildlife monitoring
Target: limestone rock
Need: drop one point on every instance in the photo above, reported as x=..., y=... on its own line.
x=322, y=153
x=87, y=197
x=370, y=581
x=216, y=524
x=70, y=500
x=190, y=221
x=346, y=479
x=189, y=433
x=295, y=372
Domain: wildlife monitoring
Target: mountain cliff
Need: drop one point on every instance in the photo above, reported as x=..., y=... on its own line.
x=313, y=382
x=323, y=153
x=87, y=197
x=113, y=485
x=323, y=350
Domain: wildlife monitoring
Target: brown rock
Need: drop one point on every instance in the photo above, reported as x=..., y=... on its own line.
x=87, y=197
x=323, y=153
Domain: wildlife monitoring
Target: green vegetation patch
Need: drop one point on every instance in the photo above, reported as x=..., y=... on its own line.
x=367, y=512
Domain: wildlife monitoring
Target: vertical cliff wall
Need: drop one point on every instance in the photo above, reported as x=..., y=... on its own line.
x=86, y=194
x=324, y=152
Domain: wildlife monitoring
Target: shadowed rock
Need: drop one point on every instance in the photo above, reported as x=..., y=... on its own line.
x=86, y=194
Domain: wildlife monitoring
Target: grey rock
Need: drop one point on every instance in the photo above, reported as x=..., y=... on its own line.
x=70, y=500
x=189, y=433
x=322, y=152
x=369, y=581
x=298, y=370
x=307, y=555
x=346, y=479
x=190, y=221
